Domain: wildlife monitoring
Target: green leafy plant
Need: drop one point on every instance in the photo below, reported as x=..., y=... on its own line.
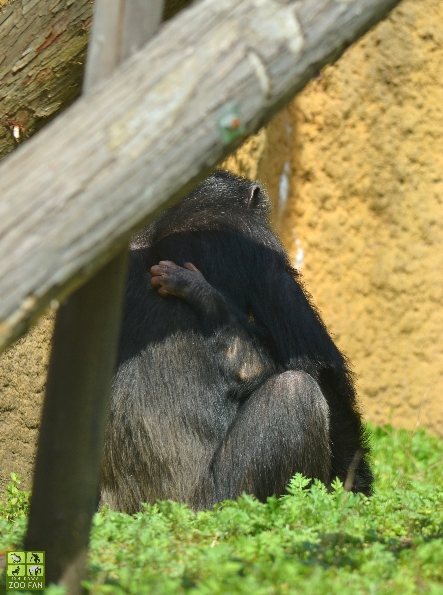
x=15, y=501
x=309, y=541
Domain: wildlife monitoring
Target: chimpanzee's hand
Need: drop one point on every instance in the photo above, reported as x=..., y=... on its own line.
x=172, y=279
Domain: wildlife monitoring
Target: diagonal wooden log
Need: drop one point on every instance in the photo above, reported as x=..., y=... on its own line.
x=71, y=196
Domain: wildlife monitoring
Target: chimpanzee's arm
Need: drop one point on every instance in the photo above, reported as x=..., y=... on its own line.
x=237, y=341
x=188, y=283
x=299, y=337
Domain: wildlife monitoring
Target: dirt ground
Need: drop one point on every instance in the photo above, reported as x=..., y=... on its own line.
x=354, y=168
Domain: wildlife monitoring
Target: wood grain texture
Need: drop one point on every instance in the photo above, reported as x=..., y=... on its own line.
x=42, y=56
x=42, y=52
x=71, y=196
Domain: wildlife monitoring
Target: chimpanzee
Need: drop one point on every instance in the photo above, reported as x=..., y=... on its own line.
x=227, y=380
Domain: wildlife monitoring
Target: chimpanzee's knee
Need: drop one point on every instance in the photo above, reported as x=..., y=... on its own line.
x=297, y=392
x=280, y=430
x=298, y=421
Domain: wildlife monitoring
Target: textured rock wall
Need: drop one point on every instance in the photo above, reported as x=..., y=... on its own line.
x=354, y=168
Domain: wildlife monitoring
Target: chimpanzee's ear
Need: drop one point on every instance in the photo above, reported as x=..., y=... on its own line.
x=254, y=195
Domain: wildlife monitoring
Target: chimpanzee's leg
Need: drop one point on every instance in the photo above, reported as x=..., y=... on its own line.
x=281, y=429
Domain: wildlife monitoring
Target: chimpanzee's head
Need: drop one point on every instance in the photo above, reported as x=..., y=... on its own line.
x=222, y=201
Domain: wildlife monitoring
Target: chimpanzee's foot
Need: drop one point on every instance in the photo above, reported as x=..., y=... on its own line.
x=172, y=279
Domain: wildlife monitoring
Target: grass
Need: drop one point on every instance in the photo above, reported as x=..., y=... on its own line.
x=310, y=541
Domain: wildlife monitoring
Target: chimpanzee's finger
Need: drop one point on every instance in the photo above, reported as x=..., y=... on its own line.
x=157, y=280
x=191, y=267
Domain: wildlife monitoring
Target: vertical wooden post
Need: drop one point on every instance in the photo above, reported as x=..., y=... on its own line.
x=67, y=469
x=119, y=29
x=73, y=423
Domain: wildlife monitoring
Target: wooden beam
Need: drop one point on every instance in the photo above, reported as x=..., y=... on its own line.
x=72, y=428
x=87, y=327
x=71, y=197
x=119, y=29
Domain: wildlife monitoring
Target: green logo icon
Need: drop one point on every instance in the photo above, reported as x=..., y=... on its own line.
x=25, y=571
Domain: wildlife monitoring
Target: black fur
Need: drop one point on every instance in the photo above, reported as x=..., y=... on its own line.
x=232, y=383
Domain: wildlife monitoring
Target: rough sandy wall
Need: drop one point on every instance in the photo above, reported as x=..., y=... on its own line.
x=22, y=381
x=366, y=175
x=354, y=168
